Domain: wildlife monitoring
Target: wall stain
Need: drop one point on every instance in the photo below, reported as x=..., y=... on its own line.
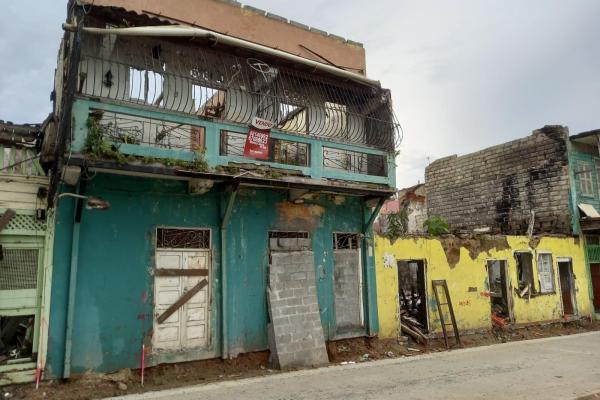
x=299, y=216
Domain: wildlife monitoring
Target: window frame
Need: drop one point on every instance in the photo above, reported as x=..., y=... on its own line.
x=542, y=274
x=585, y=181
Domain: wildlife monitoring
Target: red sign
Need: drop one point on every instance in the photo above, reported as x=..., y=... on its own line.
x=257, y=144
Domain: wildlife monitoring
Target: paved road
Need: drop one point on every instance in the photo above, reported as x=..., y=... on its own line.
x=554, y=368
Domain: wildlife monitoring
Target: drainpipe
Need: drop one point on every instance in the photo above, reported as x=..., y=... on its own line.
x=224, y=294
x=193, y=32
x=366, y=245
x=73, y=279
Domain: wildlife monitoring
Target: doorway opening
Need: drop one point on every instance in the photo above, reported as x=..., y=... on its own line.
x=412, y=292
x=499, y=289
x=595, y=270
x=567, y=286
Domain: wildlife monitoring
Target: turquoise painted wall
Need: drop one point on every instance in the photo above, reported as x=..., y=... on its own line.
x=114, y=285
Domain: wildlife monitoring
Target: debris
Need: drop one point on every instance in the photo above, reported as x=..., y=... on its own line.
x=498, y=321
x=390, y=354
x=413, y=328
x=413, y=349
x=122, y=386
x=347, y=362
x=365, y=357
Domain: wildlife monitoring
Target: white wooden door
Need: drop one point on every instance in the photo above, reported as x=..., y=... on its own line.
x=188, y=326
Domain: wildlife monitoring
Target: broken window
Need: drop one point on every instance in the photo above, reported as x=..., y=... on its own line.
x=347, y=241
x=175, y=238
x=585, y=181
x=525, y=273
x=546, y=273
x=16, y=338
x=146, y=86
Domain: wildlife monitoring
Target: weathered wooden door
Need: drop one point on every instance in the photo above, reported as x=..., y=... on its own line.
x=180, y=271
x=595, y=269
x=567, y=286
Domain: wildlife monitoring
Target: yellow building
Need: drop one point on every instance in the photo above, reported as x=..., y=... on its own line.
x=522, y=280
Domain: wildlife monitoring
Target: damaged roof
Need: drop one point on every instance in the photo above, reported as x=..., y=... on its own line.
x=249, y=23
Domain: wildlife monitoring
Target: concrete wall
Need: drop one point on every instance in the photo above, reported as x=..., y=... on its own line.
x=347, y=281
x=498, y=187
x=297, y=330
x=463, y=266
x=115, y=285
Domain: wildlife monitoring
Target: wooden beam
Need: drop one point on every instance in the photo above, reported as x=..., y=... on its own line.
x=180, y=272
x=6, y=217
x=181, y=301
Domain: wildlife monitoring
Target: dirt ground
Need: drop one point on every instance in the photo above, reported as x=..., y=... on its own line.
x=94, y=386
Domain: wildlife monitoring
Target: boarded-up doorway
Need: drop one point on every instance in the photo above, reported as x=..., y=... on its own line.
x=567, y=286
x=182, y=266
x=412, y=291
x=347, y=274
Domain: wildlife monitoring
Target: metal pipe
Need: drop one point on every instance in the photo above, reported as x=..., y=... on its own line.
x=73, y=279
x=188, y=31
x=366, y=228
x=224, y=292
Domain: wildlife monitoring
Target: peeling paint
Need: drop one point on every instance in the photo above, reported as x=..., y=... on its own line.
x=473, y=308
x=299, y=216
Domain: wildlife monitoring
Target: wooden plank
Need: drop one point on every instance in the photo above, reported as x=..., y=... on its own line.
x=181, y=301
x=180, y=272
x=6, y=217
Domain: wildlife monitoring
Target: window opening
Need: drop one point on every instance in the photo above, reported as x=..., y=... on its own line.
x=525, y=273
x=16, y=337
x=146, y=85
x=346, y=241
x=175, y=238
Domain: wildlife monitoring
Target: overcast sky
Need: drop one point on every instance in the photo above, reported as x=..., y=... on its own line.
x=464, y=74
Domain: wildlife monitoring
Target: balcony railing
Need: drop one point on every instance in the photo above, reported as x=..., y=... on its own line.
x=105, y=131
x=211, y=84
x=281, y=151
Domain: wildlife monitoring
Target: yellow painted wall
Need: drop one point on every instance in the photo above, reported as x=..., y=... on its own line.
x=468, y=281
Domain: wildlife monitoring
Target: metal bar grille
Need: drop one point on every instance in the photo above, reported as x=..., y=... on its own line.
x=281, y=151
x=288, y=235
x=346, y=241
x=174, y=238
x=214, y=84
x=354, y=161
x=123, y=128
x=18, y=269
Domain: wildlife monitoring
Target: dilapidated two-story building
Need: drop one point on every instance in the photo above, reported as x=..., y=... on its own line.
x=216, y=171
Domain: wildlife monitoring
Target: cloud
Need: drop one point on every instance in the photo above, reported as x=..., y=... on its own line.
x=463, y=76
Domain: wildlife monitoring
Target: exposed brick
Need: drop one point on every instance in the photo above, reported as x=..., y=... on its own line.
x=498, y=187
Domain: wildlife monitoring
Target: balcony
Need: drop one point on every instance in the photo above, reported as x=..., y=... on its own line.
x=138, y=135
x=157, y=100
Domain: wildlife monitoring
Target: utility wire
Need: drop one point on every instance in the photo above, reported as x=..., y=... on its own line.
x=19, y=163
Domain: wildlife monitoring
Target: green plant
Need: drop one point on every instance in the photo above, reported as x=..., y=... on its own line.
x=97, y=146
x=436, y=225
x=396, y=224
